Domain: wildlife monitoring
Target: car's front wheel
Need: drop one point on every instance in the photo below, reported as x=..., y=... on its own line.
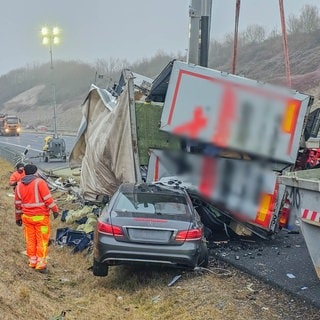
x=99, y=269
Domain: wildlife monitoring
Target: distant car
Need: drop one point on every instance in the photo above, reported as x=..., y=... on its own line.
x=42, y=128
x=149, y=224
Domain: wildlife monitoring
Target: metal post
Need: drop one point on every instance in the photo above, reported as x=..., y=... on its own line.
x=206, y=6
x=235, y=42
x=194, y=31
x=285, y=43
x=53, y=88
x=199, y=31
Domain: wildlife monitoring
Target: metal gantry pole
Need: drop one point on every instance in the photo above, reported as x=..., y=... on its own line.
x=199, y=31
x=194, y=31
x=205, y=23
x=235, y=42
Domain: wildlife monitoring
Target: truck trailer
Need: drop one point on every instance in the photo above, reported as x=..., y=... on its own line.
x=226, y=139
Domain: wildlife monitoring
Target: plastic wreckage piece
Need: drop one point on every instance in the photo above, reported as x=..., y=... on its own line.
x=64, y=215
x=79, y=240
x=83, y=244
x=75, y=215
x=61, y=236
x=82, y=220
x=74, y=237
x=174, y=280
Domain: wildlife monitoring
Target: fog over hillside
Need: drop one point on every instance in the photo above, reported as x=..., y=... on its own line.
x=28, y=91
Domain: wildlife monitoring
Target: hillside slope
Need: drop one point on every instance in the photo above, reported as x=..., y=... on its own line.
x=259, y=61
x=34, y=114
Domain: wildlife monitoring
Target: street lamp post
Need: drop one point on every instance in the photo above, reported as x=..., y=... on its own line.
x=50, y=37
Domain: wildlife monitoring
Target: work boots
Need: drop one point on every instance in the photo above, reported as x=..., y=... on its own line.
x=32, y=262
x=41, y=265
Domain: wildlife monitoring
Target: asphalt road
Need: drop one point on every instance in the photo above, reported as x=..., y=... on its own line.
x=283, y=262
x=35, y=143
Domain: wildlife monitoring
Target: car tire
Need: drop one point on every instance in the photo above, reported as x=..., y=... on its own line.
x=99, y=269
x=203, y=260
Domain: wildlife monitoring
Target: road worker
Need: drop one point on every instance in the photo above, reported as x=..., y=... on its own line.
x=17, y=175
x=47, y=140
x=33, y=204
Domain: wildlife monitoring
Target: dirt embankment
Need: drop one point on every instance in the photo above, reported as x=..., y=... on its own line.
x=222, y=292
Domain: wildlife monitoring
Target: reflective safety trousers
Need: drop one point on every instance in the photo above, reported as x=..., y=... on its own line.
x=37, y=234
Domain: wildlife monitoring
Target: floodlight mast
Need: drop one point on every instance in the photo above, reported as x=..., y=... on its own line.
x=52, y=37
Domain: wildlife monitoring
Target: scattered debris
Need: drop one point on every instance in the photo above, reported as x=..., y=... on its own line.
x=249, y=287
x=61, y=316
x=156, y=299
x=174, y=280
x=217, y=271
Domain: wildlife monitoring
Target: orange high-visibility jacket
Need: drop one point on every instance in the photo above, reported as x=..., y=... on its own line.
x=33, y=197
x=16, y=177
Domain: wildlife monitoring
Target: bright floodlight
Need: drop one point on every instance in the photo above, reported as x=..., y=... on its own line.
x=56, y=40
x=45, y=40
x=55, y=31
x=50, y=36
x=44, y=31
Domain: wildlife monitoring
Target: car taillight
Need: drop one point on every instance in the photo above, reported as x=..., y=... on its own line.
x=110, y=229
x=188, y=235
x=284, y=214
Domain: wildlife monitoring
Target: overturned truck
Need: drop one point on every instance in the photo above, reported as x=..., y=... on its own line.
x=226, y=139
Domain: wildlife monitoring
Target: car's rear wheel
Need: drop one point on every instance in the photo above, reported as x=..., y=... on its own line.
x=99, y=269
x=203, y=260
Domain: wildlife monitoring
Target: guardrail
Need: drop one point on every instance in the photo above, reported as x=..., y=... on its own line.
x=50, y=132
x=10, y=155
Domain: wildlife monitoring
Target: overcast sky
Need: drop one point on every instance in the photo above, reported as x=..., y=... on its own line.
x=124, y=29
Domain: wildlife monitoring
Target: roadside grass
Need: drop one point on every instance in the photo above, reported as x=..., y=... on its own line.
x=128, y=292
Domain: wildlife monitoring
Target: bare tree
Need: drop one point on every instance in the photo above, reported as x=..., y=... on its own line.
x=228, y=39
x=307, y=22
x=293, y=25
x=113, y=65
x=274, y=33
x=254, y=34
x=309, y=19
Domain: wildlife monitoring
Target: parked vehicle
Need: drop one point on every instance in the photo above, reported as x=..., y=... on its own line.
x=149, y=224
x=54, y=148
x=304, y=187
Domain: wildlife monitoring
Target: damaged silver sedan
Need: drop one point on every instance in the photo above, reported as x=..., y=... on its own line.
x=149, y=224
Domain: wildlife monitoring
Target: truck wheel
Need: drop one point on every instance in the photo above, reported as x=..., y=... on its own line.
x=99, y=269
